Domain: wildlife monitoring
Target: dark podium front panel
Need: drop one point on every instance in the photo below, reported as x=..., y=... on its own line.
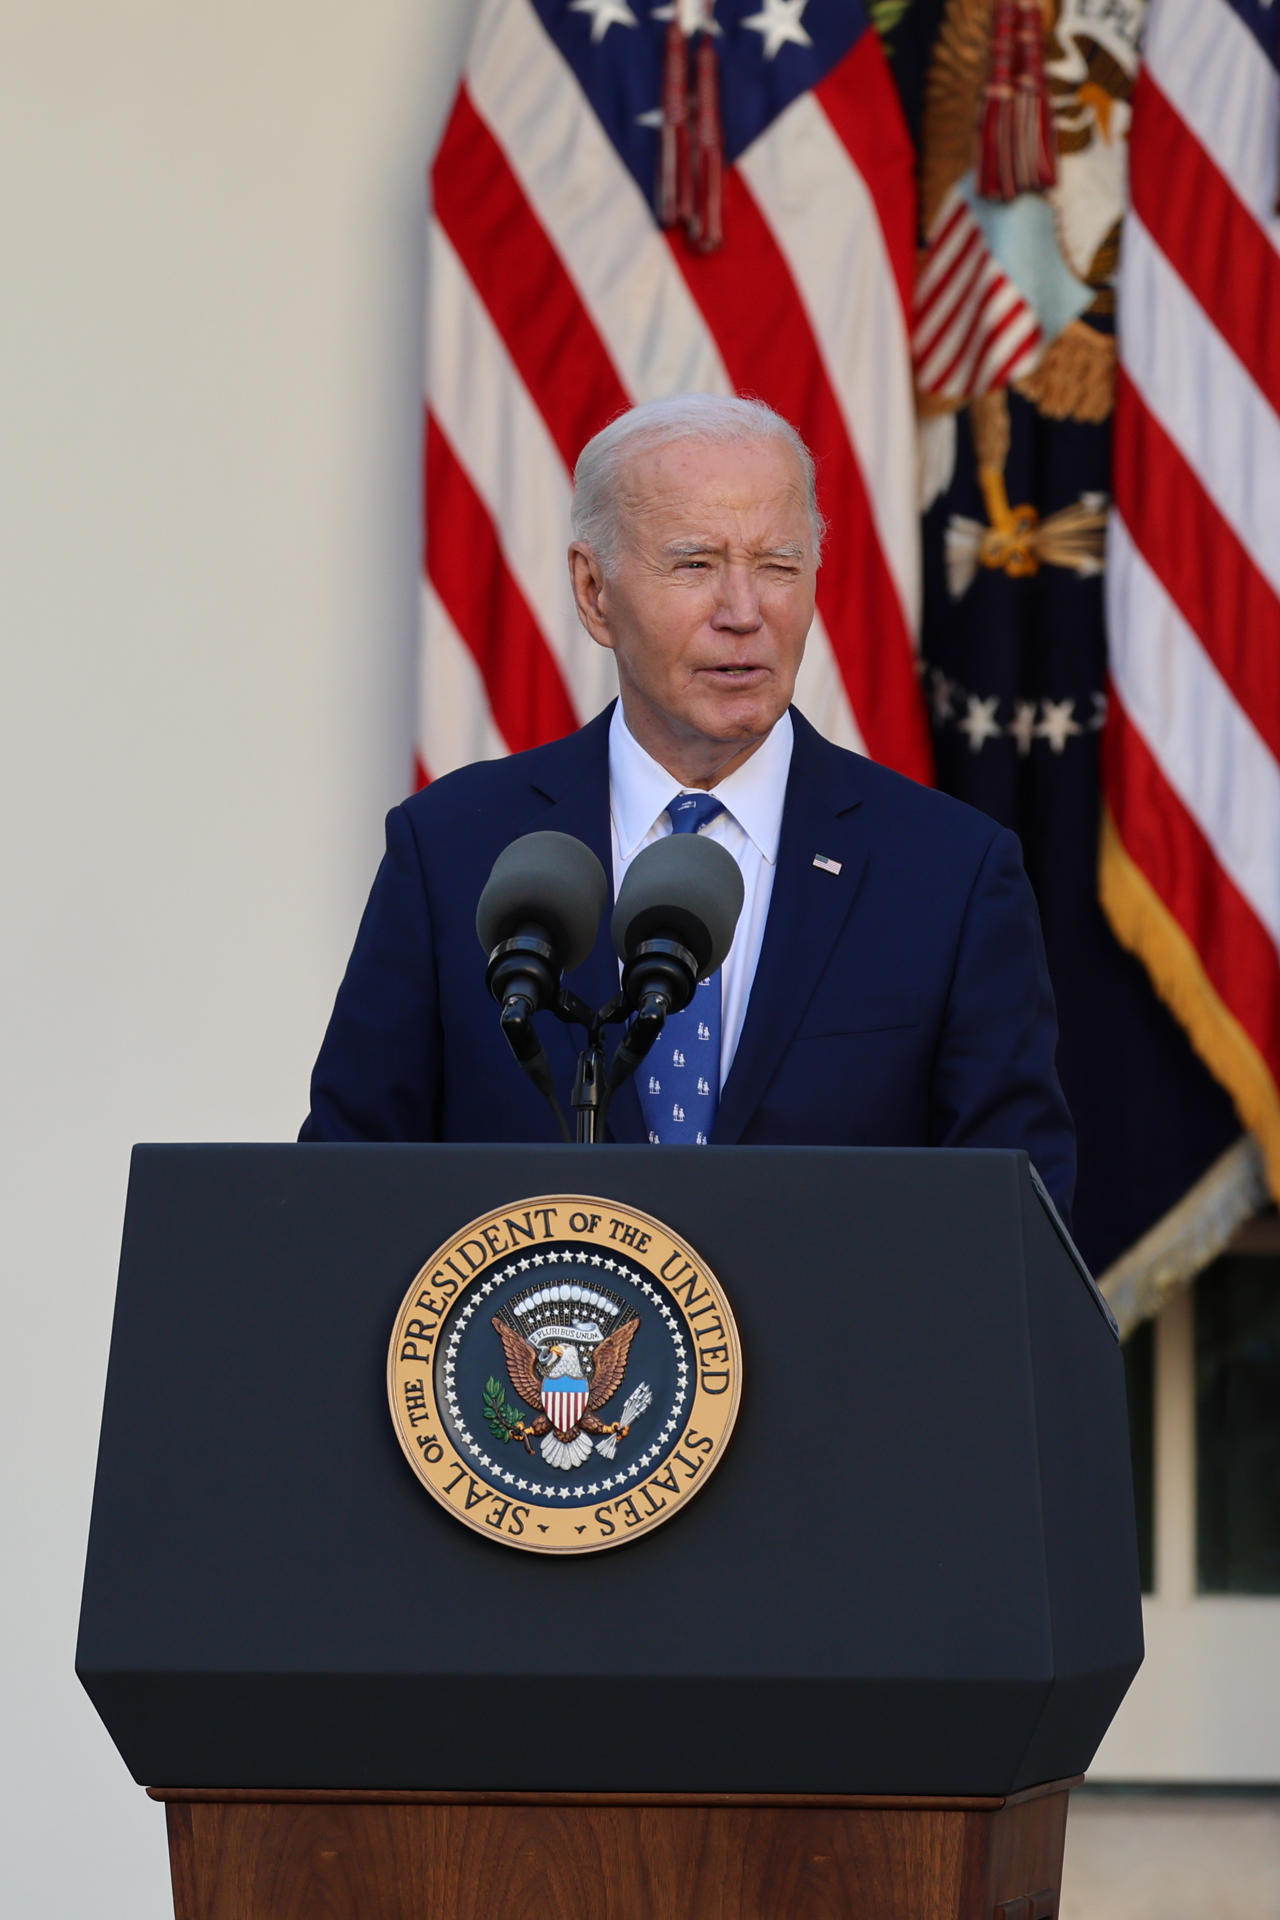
x=914, y=1571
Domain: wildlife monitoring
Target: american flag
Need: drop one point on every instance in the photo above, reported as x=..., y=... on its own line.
x=556, y=300
x=1191, y=753
x=972, y=330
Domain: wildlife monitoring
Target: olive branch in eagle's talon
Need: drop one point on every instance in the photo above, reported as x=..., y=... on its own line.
x=501, y=1417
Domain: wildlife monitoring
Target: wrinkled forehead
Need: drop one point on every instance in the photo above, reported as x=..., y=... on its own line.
x=752, y=489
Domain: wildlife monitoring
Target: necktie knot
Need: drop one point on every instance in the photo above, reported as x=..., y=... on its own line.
x=690, y=812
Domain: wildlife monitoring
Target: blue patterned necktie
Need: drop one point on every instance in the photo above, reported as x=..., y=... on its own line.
x=680, y=1080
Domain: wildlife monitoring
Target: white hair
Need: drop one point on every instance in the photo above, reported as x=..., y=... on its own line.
x=712, y=418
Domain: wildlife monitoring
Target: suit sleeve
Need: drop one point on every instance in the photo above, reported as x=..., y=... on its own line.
x=377, y=1075
x=995, y=1078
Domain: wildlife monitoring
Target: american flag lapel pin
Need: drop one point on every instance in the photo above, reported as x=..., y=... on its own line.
x=827, y=864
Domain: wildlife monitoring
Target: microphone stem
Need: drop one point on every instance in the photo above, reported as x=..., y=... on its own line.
x=587, y=1096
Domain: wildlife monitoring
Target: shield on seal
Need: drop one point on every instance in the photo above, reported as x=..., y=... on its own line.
x=564, y=1402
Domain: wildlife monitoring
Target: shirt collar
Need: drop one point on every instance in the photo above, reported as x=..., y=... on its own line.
x=640, y=789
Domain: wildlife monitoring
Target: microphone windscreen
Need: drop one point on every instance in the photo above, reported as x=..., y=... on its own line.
x=552, y=881
x=686, y=888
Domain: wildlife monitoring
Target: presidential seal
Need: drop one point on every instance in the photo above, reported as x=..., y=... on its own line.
x=564, y=1374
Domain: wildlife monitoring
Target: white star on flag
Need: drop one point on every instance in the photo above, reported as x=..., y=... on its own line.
x=778, y=23
x=980, y=723
x=940, y=694
x=1059, y=723
x=692, y=15
x=605, y=14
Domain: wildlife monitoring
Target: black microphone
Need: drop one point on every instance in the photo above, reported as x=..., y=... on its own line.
x=537, y=918
x=674, y=922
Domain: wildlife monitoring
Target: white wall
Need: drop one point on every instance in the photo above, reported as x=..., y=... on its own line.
x=210, y=310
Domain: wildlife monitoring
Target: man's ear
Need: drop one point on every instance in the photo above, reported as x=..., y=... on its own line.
x=587, y=578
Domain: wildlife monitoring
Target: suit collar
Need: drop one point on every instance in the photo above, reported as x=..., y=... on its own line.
x=807, y=914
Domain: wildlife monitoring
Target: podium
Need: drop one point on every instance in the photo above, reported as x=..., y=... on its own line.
x=855, y=1675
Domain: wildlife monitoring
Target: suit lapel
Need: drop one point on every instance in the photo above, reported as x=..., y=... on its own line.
x=574, y=779
x=807, y=913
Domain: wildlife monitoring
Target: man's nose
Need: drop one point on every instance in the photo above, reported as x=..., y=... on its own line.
x=738, y=601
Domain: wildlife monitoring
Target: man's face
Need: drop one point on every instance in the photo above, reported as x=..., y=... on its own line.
x=709, y=601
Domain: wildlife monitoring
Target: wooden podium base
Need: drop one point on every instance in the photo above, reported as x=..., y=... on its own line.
x=267, y=1855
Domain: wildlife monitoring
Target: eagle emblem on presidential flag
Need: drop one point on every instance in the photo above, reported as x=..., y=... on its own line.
x=566, y=1348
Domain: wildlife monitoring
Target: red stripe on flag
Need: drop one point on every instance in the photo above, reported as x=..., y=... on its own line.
x=860, y=100
x=469, y=572
x=948, y=300
x=1199, y=559
x=937, y=244
x=522, y=281
x=1164, y=842
x=975, y=344
x=1210, y=239
x=769, y=350
x=1028, y=342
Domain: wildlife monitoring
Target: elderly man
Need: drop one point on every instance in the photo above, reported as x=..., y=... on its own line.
x=886, y=984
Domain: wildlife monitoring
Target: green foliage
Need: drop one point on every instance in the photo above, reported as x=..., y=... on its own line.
x=885, y=15
x=500, y=1416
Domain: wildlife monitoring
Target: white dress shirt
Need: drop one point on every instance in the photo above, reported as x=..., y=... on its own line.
x=639, y=793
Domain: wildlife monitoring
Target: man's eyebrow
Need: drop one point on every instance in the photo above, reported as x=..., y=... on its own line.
x=689, y=549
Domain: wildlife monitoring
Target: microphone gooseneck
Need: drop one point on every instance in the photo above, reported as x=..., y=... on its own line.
x=673, y=923
x=675, y=918
x=536, y=920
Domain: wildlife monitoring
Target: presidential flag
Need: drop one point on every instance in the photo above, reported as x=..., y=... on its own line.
x=1015, y=366
x=635, y=200
x=1190, y=869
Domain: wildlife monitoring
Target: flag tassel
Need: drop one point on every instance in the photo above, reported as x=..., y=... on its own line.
x=1035, y=159
x=706, y=225
x=1015, y=143
x=995, y=139
x=675, y=162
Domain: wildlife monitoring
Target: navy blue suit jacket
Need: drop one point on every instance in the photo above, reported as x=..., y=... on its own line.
x=902, y=1001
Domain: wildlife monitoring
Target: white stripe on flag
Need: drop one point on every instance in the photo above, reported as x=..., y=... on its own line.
x=591, y=207
x=995, y=298
x=821, y=692
x=1003, y=337
x=940, y=324
x=1202, y=396
x=954, y=227
x=501, y=440
x=827, y=226
x=455, y=725
x=1210, y=67
x=1205, y=744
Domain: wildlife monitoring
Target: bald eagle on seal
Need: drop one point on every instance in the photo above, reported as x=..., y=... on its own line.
x=565, y=1382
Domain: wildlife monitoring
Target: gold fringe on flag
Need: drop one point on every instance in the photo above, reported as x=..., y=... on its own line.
x=1142, y=923
x=1191, y=1235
